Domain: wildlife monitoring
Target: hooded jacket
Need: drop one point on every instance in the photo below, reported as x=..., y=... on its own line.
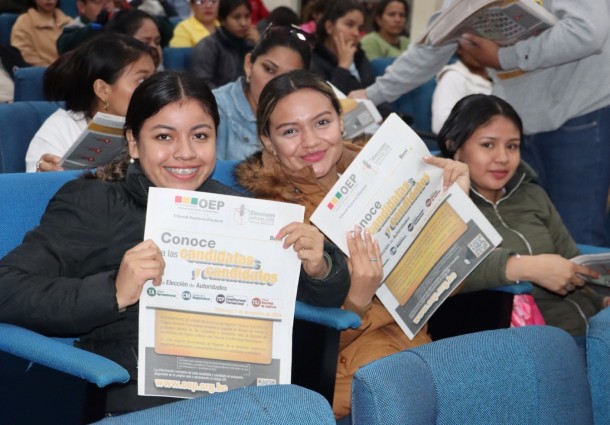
x=529, y=225
x=61, y=280
x=379, y=335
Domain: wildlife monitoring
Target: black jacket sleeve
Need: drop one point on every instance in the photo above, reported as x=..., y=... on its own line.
x=330, y=291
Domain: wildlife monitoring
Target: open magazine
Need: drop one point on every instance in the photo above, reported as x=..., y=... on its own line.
x=598, y=262
x=430, y=239
x=97, y=145
x=360, y=116
x=504, y=21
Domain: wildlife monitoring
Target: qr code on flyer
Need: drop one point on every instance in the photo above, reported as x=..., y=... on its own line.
x=479, y=245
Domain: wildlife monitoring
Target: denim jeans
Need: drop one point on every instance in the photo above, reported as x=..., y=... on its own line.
x=573, y=165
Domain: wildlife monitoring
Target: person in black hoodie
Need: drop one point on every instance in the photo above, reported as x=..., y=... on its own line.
x=337, y=56
x=219, y=58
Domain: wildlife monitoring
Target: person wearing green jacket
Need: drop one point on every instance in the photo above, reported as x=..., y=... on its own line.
x=485, y=132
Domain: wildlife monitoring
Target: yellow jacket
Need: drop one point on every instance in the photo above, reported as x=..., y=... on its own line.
x=189, y=32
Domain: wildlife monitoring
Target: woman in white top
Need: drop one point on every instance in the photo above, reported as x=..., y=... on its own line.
x=98, y=76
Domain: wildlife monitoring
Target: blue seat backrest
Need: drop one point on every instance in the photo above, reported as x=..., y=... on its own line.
x=177, y=58
x=24, y=199
x=530, y=374
x=19, y=122
x=28, y=83
x=417, y=103
x=69, y=8
x=7, y=20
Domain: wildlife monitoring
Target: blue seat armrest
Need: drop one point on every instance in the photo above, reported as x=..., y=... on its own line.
x=60, y=355
x=591, y=249
x=516, y=289
x=331, y=317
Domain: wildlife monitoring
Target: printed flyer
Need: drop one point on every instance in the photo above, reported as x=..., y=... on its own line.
x=222, y=317
x=430, y=240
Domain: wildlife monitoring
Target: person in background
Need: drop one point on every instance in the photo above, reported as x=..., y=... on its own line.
x=312, y=12
x=281, y=15
x=201, y=24
x=280, y=49
x=337, y=56
x=139, y=25
x=300, y=125
x=98, y=76
x=485, y=132
x=35, y=32
x=259, y=11
x=562, y=93
x=455, y=81
x=10, y=61
x=388, y=40
x=92, y=16
x=219, y=58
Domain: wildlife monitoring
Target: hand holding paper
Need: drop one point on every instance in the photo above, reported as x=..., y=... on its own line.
x=308, y=242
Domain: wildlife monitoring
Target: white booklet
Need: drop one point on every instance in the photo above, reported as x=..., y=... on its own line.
x=360, y=116
x=430, y=240
x=98, y=144
x=504, y=21
x=600, y=263
x=222, y=317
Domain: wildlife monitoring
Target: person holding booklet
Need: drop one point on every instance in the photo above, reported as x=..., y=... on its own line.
x=485, y=132
x=560, y=88
x=98, y=76
x=85, y=279
x=299, y=121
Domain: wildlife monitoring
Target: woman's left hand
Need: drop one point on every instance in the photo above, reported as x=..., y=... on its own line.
x=308, y=242
x=453, y=172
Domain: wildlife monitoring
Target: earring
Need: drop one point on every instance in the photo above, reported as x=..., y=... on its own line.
x=131, y=161
x=106, y=105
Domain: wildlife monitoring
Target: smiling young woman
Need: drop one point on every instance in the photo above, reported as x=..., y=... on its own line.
x=299, y=121
x=485, y=132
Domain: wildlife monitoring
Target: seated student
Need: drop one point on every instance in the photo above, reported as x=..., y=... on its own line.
x=35, y=32
x=300, y=125
x=202, y=23
x=98, y=76
x=10, y=61
x=455, y=81
x=139, y=25
x=388, y=40
x=92, y=16
x=337, y=56
x=86, y=279
x=312, y=11
x=280, y=49
x=219, y=58
x=485, y=132
x=281, y=15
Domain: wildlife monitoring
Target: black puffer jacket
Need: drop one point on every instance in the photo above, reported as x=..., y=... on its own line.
x=61, y=280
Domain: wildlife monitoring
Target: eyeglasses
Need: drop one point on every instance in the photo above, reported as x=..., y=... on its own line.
x=289, y=31
x=205, y=2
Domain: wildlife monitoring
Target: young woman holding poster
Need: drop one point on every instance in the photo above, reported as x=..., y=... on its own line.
x=299, y=121
x=85, y=279
x=485, y=132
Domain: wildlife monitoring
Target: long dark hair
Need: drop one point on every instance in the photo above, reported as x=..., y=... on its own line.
x=283, y=36
x=105, y=57
x=285, y=84
x=149, y=98
x=469, y=114
x=336, y=10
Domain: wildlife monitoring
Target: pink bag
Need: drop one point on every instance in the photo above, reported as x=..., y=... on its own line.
x=525, y=312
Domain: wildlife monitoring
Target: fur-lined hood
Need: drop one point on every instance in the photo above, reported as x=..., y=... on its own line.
x=263, y=176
